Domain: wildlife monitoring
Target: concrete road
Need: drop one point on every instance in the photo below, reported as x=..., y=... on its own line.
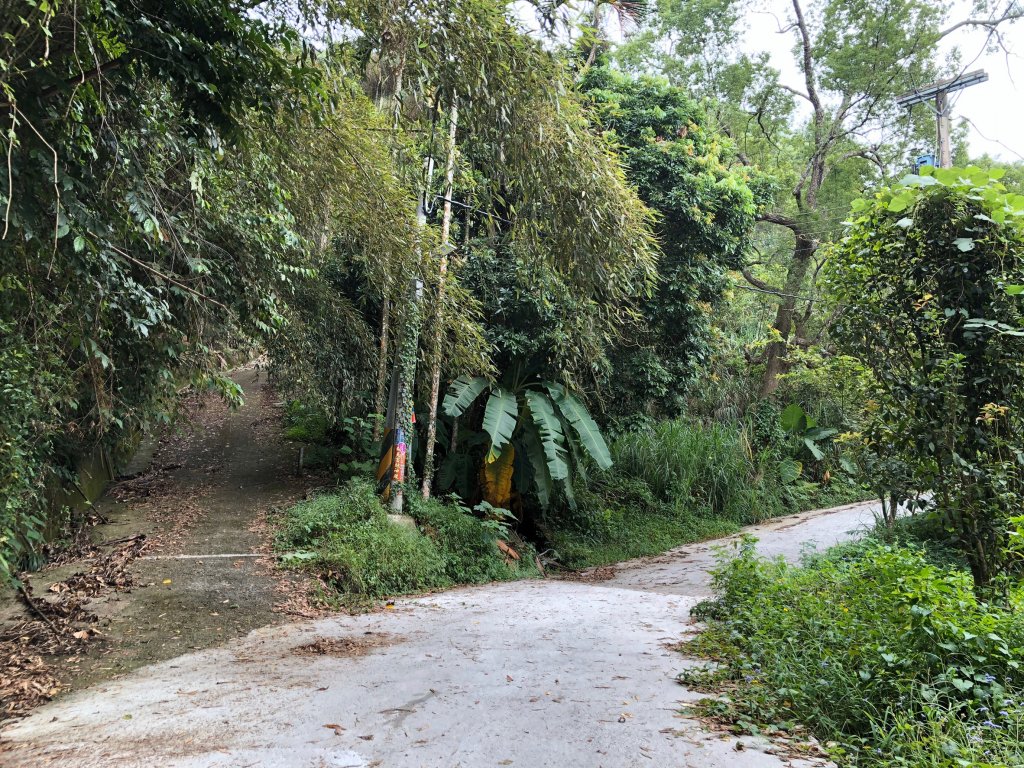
x=572, y=674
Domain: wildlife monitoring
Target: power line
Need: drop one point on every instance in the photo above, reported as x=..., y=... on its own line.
x=994, y=141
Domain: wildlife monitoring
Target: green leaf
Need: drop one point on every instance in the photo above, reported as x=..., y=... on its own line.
x=964, y=244
x=549, y=428
x=793, y=418
x=899, y=203
x=789, y=470
x=1014, y=290
x=462, y=392
x=586, y=428
x=500, y=418
x=814, y=449
x=906, y=222
x=541, y=475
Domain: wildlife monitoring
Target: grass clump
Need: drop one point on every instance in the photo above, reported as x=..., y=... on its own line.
x=709, y=467
x=887, y=656
x=349, y=541
x=677, y=482
x=672, y=483
x=619, y=518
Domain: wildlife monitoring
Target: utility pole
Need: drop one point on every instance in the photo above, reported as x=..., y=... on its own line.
x=394, y=468
x=940, y=92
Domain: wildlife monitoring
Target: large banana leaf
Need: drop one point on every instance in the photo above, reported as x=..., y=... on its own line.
x=462, y=392
x=586, y=428
x=549, y=429
x=500, y=416
x=541, y=475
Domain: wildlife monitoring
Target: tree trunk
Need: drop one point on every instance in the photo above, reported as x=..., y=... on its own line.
x=439, y=318
x=382, y=370
x=775, y=363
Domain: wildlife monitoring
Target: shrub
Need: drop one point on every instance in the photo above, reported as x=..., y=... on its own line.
x=934, y=267
x=874, y=648
x=348, y=539
x=469, y=544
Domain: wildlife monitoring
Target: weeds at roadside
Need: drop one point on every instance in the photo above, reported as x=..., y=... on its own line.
x=360, y=555
x=889, y=659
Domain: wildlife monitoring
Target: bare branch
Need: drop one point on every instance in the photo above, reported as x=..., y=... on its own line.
x=783, y=221
x=808, y=62
x=795, y=91
x=1011, y=14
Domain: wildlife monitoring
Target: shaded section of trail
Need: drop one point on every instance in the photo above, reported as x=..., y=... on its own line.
x=203, y=495
x=532, y=673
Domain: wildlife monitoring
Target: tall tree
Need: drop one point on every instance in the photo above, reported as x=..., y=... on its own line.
x=854, y=58
x=544, y=182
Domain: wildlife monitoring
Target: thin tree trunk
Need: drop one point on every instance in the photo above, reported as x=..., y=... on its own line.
x=382, y=370
x=439, y=319
x=592, y=56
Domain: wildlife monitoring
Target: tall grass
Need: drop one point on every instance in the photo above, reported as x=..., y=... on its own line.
x=711, y=468
x=672, y=483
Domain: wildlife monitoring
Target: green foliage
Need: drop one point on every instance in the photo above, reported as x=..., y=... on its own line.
x=345, y=446
x=139, y=243
x=926, y=274
x=708, y=467
x=363, y=246
x=618, y=518
x=26, y=434
x=348, y=540
x=796, y=421
x=681, y=169
x=889, y=657
x=468, y=541
x=547, y=425
x=670, y=484
x=305, y=424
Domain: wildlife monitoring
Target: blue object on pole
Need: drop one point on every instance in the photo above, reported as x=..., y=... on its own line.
x=923, y=160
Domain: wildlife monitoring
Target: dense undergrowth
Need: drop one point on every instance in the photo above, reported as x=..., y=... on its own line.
x=347, y=539
x=679, y=482
x=672, y=483
x=883, y=650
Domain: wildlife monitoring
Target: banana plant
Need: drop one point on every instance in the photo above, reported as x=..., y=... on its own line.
x=541, y=421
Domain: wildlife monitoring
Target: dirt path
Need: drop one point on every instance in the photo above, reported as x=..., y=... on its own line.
x=201, y=500
x=574, y=674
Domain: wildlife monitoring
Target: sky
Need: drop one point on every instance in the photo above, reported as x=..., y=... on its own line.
x=995, y=108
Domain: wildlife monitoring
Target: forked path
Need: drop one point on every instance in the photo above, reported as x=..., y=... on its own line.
x=573, y=674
